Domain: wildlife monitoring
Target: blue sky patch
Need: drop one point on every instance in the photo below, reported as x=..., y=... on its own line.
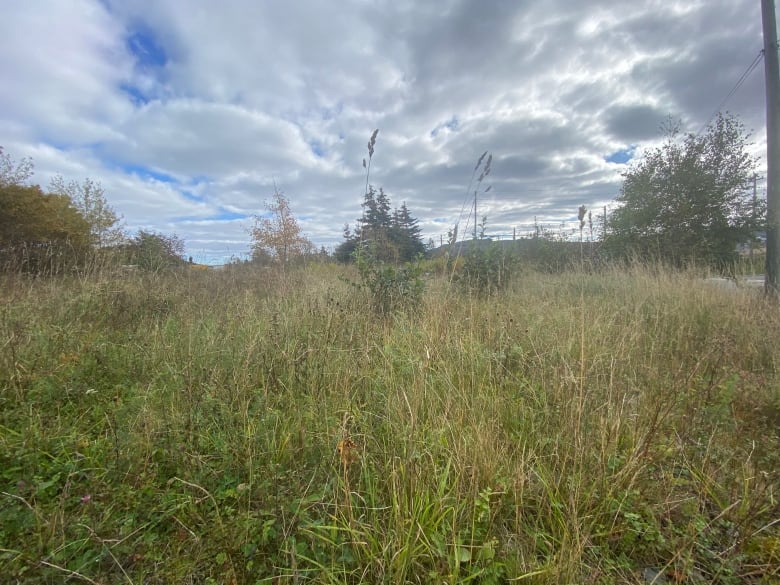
x=146, y=173
x=190, y=196
x=136, y=96
x=230, y=215
x=317, y=148
x=452, y=125
x=621, y=156
x=148, y=52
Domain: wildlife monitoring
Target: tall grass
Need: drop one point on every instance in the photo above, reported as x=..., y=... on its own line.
x=246, y=427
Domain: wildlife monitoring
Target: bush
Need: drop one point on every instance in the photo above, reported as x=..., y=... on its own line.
x=486, y=268
x=155, y=252
x=392, y=288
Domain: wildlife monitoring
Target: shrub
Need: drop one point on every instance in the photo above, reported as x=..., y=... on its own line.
x=391, y=288
x=486, y=268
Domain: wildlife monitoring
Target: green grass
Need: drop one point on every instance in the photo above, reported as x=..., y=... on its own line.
x=575, y=428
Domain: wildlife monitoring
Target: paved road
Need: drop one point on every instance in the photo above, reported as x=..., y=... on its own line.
x=750, y=281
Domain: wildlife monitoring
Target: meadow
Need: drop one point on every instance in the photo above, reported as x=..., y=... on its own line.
x=249, y=426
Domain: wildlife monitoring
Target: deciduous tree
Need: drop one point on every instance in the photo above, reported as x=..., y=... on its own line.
x=40, y=232
x=278, y=235
x=89, y=198
x=154, y=251
x=12, y=173
x=688, y=200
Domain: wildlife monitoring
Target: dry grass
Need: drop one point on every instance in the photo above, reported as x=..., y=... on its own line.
x=579, y=428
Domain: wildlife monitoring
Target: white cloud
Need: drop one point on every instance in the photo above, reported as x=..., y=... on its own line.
x=61, y=64
x=189, y=112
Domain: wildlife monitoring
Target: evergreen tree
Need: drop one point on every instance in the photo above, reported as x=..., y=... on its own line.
x=368, y=220
x=407, y=234
x=391, y=237
x=375, y=225
x=343, y=252
x=383, y=219
x=376, y=220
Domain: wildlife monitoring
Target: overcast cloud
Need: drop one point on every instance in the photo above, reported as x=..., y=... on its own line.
x=188, y=112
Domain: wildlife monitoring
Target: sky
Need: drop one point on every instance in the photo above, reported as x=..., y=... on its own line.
x=190, y=113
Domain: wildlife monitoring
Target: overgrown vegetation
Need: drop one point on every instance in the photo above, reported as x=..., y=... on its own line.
x=561, y=422
x=387, y=252
x=152, y=251
x=241, y=427
x=40, y=233
x=485, y=268
x=70, y=228
x=689, y=201
x=392, y=288
x=394, y=238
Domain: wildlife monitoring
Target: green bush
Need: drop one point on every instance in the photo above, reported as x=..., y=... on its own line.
x=155, y=252
x=391, y=288
x=486, y=268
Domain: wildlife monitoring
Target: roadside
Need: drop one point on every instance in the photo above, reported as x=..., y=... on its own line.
x=751, y=281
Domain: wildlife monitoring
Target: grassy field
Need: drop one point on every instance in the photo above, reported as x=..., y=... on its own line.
x=246, y=427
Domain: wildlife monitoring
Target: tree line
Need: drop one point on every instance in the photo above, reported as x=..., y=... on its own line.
x=69, y=226
x=687, y=201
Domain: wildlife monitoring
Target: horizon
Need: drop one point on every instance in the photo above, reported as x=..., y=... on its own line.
x=189, y=118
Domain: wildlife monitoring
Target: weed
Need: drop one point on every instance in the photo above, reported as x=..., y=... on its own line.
x=391, y=288
x=578, y=427
x=486, y=268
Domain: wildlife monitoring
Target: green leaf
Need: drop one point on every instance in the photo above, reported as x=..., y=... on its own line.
x=462, y=555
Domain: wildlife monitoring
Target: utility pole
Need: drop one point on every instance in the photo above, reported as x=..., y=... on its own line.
x=772, y=76
x=753, y=218
x=475, y=214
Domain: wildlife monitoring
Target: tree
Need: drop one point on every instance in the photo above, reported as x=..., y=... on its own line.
x=278, y=235
x=406, y=234
x=14, y=173
x=89, y=198
x=153, y=251
x=344, y=251
x=40, y=232
x=688, y=200
x=390, y=237
x=374, y=226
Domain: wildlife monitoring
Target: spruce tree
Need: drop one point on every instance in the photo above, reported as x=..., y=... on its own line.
x=390, y=237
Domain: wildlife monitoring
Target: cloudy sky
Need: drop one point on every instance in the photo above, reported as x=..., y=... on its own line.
x=189, y=111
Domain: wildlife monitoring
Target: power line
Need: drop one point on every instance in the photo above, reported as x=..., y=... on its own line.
x=735, y=89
